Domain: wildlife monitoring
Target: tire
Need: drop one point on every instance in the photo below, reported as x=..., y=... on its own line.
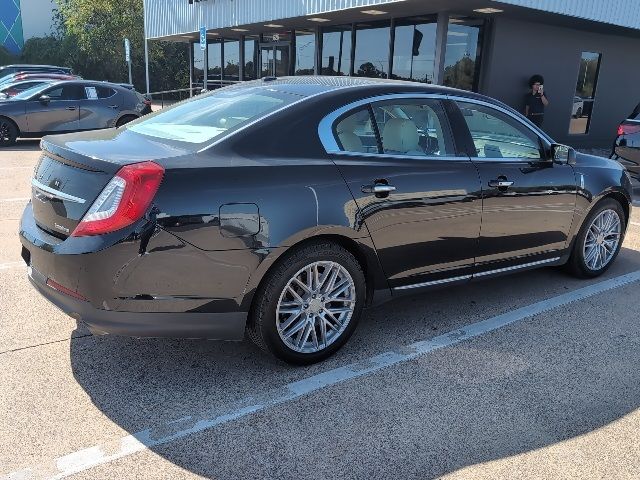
x=125, y=119
x=282, y=304
x=8, y=132
x=584, y=263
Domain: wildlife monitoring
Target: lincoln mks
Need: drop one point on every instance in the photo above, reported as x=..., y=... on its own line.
x=283, y=207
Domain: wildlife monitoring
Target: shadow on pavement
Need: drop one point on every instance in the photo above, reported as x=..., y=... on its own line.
x=478, y=401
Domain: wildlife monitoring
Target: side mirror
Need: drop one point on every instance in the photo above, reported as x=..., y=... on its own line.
x=45, y=99
x=563, y=154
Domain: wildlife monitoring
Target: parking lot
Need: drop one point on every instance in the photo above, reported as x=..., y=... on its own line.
x=533, y=375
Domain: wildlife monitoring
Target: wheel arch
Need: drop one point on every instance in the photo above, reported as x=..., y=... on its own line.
x=361, y=248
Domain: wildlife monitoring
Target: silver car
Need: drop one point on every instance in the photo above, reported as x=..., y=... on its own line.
x=68, y=106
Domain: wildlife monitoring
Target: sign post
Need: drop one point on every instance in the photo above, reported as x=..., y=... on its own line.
x=203, y=47
x=127, y=56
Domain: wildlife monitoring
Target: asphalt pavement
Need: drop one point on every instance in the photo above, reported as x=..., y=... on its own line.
x=533, y=375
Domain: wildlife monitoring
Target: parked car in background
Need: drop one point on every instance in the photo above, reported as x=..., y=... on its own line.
x=10, y=69
x=261, y=208
x=18, y=77
x=12, y=89
x=578, y=107
x=626, y=148
x=68, y=106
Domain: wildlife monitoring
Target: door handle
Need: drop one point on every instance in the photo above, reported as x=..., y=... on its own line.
x=378, y=189
x=71, y=108
x=113, y=106
x=500, y=183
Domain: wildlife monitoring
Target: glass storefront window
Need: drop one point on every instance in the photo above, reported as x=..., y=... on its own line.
x=305, y=52
x=414, y=50
x=371, y=57
x=336, y=51
x=198, y=63
x=232, y=60
x=461, y=61
x=250, y=58
x=214, y=61
x=585, y=92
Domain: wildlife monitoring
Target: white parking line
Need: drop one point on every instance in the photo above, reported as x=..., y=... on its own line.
x=186, y=425
x=16, y=199
x=8, y=265
x=635, y=223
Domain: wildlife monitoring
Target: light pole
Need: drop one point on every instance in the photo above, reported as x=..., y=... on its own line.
x=146, y=47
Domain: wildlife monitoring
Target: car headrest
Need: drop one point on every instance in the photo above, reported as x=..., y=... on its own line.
x=400, y=135
x=350, y=142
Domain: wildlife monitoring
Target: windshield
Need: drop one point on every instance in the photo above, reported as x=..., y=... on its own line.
x=29, y=92
x=207, y=117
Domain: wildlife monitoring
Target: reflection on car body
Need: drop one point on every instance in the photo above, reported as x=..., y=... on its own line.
x=282, y=208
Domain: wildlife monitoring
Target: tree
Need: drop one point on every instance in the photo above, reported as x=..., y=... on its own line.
x=90, y=39
x=5, y=56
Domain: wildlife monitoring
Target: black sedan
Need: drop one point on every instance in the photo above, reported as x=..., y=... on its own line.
x=626, y=148
x=68, y=106
x=282, y=208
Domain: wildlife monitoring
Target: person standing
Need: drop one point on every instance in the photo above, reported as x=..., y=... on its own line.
x=536, y=100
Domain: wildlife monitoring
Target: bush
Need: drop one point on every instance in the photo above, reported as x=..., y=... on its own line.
x=5, y=57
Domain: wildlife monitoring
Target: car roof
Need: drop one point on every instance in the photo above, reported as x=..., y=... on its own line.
x=28, y=65
x=318, y=84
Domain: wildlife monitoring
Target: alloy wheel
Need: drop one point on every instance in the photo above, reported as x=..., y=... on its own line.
x=315, y=307
x=601, y=241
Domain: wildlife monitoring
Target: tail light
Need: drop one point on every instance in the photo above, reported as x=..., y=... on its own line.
x=628, y=129
x=146, y=101
x=65, y=290
x=123, y=201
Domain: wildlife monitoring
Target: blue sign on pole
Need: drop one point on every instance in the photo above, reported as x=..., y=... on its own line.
x=203, y=38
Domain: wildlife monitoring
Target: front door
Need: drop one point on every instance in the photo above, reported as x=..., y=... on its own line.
x=274, y=59
x=61, y=113
x=420, y=202
x=528, y=200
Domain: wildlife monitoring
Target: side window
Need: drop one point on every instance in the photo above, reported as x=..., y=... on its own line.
x=105, y=92
x=73, y=92
x=355, y=133
x=55, y=93
x=496, y=135
x=413, y=127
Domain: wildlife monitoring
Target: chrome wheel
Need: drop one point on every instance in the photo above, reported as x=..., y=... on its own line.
x=315, y=307
x=601, y=241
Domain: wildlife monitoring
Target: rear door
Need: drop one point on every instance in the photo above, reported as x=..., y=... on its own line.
x=60, y=113
x=419, y=200
x=528, y=200
x=100, y=108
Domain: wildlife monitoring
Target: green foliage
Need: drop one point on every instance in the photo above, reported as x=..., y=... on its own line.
x=5, y=57
x=90, y=39
x=460, y=74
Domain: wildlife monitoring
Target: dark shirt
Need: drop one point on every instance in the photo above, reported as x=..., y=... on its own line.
x=534, y=102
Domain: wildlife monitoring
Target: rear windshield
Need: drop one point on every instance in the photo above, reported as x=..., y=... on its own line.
x=212, y=115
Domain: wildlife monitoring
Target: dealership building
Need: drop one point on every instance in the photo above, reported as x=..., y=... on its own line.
x=586, y=50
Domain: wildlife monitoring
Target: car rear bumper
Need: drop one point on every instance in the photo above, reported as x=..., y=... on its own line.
x=116, y=290
x=219, y=326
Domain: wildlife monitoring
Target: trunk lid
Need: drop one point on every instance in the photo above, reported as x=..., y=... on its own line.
x=74, y=169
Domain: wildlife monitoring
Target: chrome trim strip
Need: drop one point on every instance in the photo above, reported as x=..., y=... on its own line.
x=481, y=274
x=325, y=128
x=516, y=267
x=400, y=157
x=434, y=282
x=53, y=193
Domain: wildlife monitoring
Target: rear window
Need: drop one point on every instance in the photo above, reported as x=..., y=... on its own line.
x=210, y=116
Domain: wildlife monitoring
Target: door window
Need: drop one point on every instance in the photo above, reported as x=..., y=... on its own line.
x=496, y=135
x=413, y=127
x=355, y=132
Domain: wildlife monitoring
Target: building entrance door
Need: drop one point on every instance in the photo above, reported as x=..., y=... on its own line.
x=274, y=59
